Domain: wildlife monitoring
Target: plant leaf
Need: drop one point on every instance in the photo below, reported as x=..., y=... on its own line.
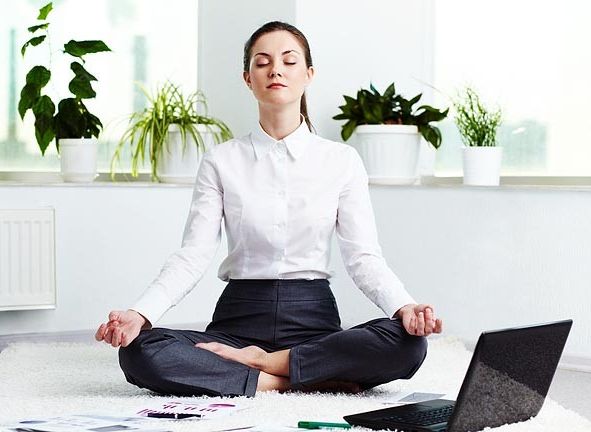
x=69, y=120
x=29, y=94
x=36, y=79
x=79, y=70
x=430, y=114
x=342, y=116
x=390, y=91
x=80, y=48
x=34, y=28
x=39, y=76
x=80, y=85
x=93, y=125
x=431, y=134
x=415, y=99
x=33, y=41
x=373, y=89
x=348, y=129
x=44, y=123
x=44, y=11
x=44, y=107
x=349, y=100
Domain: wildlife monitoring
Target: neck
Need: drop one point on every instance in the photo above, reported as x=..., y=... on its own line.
x=279, y=123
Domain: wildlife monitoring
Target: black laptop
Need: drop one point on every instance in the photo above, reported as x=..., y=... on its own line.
x=507, y=382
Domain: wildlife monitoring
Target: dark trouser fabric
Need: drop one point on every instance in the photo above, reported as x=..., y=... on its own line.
x=273, y=314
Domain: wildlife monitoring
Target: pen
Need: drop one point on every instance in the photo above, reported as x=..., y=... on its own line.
x=172, y=415
x=322, y=425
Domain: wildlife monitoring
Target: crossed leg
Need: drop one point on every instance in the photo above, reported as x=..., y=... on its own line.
x=274, y=368
x=352, y=360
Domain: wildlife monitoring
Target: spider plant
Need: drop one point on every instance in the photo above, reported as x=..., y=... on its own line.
x=148, y=129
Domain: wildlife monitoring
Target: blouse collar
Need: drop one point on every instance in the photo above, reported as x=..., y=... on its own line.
x=295, y=141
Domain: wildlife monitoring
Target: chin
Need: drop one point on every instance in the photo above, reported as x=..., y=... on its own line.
x=278, y=100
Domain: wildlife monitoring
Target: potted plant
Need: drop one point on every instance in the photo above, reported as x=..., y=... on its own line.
x=478, y=128
x=73, y=126
x=165, y=127
x=388, y=132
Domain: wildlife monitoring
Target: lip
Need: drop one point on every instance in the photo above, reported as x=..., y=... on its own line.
x=276, y=85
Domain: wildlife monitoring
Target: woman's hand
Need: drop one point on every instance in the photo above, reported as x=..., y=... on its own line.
x=419, y=320
x=123, y=327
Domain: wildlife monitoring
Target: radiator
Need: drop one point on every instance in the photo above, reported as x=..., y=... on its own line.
x=27, y=259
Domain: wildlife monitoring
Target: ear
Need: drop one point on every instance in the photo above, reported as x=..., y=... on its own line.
x=246, y=77
x=310, y=74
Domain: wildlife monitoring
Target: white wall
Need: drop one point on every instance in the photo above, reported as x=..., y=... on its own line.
x=486, y=258
x=224, y=27
x=352, y=44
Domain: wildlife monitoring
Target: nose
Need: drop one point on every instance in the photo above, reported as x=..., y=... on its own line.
x=275, y=72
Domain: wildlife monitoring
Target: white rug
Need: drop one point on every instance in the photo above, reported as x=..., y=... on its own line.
x=43, y=380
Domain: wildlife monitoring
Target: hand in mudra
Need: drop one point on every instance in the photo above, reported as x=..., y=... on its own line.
x=123, y=327
x=419, y=320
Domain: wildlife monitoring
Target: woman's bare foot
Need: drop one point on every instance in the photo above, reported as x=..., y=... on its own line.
x=268, y=382
x=252, y=356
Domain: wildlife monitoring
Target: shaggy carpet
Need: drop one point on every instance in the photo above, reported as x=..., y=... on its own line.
x=54, y=379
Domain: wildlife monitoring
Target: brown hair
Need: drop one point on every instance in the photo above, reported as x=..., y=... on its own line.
x=272, y=26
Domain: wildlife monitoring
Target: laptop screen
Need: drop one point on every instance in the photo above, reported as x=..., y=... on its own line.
x=509, y=376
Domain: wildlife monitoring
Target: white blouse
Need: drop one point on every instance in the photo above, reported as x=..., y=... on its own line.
x=281, y=202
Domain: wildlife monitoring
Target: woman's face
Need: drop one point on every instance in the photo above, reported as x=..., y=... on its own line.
x=278, y=74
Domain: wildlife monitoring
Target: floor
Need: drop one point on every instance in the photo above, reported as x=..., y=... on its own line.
x=569, y=388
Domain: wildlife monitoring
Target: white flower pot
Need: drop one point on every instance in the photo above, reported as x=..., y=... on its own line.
x=78, y=159
x=482, y=166
x=176, y=165
x=390, y=152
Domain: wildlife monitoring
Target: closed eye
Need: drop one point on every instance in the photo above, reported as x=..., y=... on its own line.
x=267, y=64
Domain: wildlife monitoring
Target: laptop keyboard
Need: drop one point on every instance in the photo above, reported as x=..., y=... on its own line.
x=423, y=418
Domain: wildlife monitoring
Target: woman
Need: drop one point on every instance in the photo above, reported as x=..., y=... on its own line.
x=281, y=191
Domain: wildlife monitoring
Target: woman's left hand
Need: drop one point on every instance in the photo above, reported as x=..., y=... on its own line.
x=419, y=320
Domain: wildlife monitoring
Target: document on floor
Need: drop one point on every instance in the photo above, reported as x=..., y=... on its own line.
x=85, y=423
x=197, y=408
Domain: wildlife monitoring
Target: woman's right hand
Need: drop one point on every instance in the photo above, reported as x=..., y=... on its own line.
x=123, y=327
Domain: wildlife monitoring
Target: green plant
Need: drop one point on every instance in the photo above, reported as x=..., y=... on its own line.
x=477, y=124
x=72, y=119
x=148, y=129
x=371, y=107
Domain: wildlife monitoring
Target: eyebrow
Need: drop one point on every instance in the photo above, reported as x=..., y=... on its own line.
x=283, y=53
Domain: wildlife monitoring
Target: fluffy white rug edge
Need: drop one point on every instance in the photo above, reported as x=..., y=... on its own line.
x=47, y=379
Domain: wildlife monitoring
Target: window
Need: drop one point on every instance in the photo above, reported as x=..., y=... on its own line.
x=530, y=58
x=150, y=42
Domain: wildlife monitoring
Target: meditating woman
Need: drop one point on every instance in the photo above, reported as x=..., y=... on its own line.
x=282, y=191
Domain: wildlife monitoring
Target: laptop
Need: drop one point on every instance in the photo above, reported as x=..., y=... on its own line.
x=507, y=381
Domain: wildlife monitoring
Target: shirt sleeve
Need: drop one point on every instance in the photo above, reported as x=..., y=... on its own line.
x=201, y=240
x=358, y=241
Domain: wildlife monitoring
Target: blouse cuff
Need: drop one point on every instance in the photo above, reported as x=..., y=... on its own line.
x=392, y=303
x=152, y=304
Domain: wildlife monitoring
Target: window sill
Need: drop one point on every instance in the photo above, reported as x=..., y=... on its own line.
x=143, y=181
x=507, y=182
x=103, y=180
